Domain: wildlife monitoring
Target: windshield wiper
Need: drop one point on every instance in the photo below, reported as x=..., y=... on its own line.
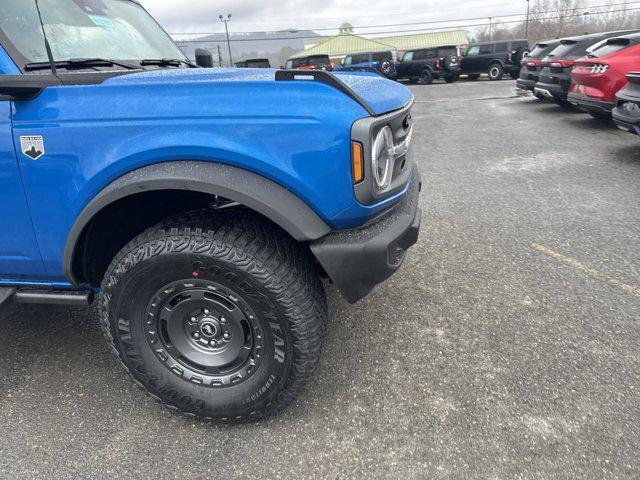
x=79, y=63
x=166, y=62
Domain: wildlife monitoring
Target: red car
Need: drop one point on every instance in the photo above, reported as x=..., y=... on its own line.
x=312, y=62
x=596, y=79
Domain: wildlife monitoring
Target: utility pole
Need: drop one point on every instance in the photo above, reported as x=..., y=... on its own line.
x=585, y=16
x=490, y=29
x=526, y=24
x=226, y=27
x=219, y=55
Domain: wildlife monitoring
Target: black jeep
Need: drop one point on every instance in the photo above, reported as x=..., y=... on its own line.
x=494, y=59
x=426, y=64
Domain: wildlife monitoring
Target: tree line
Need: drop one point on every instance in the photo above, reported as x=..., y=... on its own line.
x=564, y=18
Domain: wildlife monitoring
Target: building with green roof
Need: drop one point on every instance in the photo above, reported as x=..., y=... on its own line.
x=343, y=44
x=346, y=44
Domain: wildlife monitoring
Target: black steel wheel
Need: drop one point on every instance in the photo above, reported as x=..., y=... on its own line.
x=219, y=315
x=206, y=330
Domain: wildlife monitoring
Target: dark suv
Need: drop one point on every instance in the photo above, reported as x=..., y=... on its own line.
x=530, y=68
x=494, y=59
x=312, y=62
x=254, y=63
x=555, y=75
x=426, y=64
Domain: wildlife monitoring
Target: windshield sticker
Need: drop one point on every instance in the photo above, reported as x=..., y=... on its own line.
x=32, y=147
x=101, y=21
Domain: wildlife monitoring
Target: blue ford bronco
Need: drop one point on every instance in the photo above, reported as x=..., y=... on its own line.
x=201, y=207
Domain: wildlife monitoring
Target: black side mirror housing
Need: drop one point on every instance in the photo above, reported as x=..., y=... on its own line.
x=204, y=58
x=25, y=87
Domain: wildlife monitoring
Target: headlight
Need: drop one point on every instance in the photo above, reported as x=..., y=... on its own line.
x=383, y=158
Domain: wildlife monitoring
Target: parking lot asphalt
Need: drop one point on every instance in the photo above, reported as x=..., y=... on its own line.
x=506, y=347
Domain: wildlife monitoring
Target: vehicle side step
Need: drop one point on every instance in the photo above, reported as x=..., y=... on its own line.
x=72, y=298
x=6, y=293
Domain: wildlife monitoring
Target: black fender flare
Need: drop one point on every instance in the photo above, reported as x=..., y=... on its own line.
x=256, y=192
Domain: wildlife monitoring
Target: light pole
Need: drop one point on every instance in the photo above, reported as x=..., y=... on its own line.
x=226, y=28
x=526, y=24
x=490, y=29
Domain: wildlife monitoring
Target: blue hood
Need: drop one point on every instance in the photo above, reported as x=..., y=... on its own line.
x=382, y=95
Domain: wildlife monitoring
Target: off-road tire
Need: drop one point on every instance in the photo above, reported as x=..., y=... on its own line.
x=426, y=77
x=386, y=67
x=452, y=78
x=254, y=264
x=519, y=55
x=495, y=72
x=473, y=76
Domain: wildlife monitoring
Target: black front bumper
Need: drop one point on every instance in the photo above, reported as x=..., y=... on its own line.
x=358, y=260
x=590, y=105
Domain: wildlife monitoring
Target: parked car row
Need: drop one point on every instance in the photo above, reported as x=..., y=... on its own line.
x=424, y=65
x=594, y=73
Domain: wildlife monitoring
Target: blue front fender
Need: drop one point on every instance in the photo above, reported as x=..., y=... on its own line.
x=95, y=134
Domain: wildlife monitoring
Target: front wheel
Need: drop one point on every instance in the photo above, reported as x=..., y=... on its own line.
x=220, y=317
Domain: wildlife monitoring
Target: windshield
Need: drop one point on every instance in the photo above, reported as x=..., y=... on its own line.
x=110, y=29
x=538, y=50
x=446, y=51
x=473, y=51
x=609, y=47
x=318, y=61
x=258, y=64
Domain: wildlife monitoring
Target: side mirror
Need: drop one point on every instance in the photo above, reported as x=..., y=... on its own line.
x=204, y=58
x=25, y=87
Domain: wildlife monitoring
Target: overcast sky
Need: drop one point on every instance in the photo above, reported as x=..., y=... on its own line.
x=259, y=15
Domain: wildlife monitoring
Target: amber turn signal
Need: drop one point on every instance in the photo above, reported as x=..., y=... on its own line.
x=357, y=162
